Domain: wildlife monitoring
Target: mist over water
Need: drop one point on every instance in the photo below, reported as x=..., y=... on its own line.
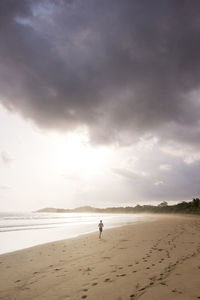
x=24, y=230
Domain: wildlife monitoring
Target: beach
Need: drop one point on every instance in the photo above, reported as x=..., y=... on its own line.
x=24, y=230
x=148, y=260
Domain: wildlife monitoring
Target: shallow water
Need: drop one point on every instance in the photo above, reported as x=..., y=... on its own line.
x=24, y=230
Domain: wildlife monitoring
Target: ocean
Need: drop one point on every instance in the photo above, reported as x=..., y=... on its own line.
x=24, y=230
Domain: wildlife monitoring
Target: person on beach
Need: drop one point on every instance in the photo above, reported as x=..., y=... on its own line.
x=100, y=228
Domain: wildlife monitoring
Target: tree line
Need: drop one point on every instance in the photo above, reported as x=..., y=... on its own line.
x=192, y=207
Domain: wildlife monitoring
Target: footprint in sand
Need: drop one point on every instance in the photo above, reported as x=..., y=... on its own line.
x=121, y=275
x=84, y=297
x=88, y=269
x=18, y=281
x=153, y=278
x=94, y=283
x=176, y=291
x=107, y=280
x=163, y=283
x=142, y=289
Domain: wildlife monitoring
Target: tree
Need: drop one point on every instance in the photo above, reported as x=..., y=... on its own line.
x=163, y=204
x=196, y=202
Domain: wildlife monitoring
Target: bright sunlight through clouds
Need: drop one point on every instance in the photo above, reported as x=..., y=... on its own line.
x=74, y=152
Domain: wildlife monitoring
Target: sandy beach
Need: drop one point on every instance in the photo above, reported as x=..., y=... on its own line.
x=150, y=260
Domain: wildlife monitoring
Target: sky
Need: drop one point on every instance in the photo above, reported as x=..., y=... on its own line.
x=99, y=103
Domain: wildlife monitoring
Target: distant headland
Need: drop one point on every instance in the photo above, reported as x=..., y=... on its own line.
x=192, y=207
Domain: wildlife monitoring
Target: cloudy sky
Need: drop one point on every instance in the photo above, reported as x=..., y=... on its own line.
x=99, y=102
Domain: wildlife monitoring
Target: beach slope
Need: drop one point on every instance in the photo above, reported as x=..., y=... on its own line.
x=151, y=260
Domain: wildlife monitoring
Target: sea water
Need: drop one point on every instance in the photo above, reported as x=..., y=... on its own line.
x=24, y=230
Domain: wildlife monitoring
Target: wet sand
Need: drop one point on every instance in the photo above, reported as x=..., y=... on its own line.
x=151, y=260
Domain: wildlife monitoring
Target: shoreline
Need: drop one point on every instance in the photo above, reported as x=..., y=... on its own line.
x=139, y=261
x=24, y=238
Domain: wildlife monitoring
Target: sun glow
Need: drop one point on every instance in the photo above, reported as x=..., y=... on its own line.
x=73, y=152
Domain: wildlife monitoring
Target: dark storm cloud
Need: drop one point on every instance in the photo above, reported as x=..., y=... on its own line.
x=118, y=67
x=181, y=182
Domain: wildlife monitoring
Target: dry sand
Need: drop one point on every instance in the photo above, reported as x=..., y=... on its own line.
x=152, y=260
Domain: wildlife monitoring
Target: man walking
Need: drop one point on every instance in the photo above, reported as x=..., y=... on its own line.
x=100, y=228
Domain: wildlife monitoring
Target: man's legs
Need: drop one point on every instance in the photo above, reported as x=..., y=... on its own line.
x=100, y=232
